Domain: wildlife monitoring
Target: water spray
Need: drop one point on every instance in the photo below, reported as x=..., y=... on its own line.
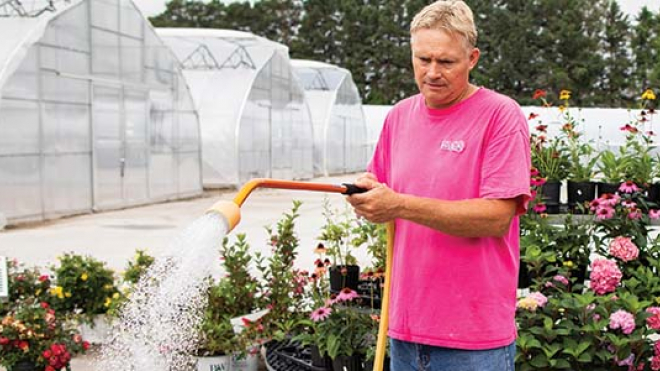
x=230, y=213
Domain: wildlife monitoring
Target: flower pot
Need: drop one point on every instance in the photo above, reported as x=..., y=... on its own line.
x=97, y=332
x=215, y=363
x=551, y=191
x=248, y=362
x=347, y=363
x=604, y=188
x=350, y=280
x=24, y=366
x=653, y=193
x=524, y=276
x=318, y=360
x=369, y=365
x=578, y=194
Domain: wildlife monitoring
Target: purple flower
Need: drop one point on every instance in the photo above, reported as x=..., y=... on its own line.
x=622, y=320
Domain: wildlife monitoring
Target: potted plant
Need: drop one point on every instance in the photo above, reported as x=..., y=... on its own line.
x=24, y=283
x=231, y=297
x=342, y=331
x=550, y=158
x=84, y=288
x=336, y=236
x=33, y=337
x=615, y=169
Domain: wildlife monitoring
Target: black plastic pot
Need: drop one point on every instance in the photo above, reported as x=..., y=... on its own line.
x=24, y=366
x=524, y=277
x=318, y=360
x=653, y=193
x=338, y=281
x=578, y=194
x=604, y=188
x=347, y=363
x=551, y=192
x=369, y=365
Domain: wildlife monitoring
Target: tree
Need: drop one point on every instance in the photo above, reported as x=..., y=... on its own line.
x=615, y=85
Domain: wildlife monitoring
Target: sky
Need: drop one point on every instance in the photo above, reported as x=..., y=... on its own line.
x=153, y=7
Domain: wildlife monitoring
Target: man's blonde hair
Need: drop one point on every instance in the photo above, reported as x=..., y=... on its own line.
x=453, y=16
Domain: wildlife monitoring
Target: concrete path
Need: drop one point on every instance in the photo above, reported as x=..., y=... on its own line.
x=114, y=236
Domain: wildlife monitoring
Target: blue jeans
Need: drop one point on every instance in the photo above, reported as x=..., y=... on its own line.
x=407, y=356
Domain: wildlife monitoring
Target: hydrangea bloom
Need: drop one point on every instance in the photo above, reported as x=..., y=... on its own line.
x=622, y=320
x=561, y=279
x=624, y=249
x=528, y=303
x=541, y=300
x=605, y=276
x=654, y=321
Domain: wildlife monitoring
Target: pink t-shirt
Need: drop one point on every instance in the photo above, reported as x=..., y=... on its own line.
x=450, y=291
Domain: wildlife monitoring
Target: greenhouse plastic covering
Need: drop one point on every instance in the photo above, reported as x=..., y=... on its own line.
x=253, y=116
x=94, y=114
x=340, y=132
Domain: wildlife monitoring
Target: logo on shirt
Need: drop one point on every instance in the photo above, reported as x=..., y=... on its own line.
x=452, y=145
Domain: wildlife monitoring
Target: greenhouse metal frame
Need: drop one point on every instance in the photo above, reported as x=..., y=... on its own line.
x=340, y=130
x=253, y=115
x=94, y=113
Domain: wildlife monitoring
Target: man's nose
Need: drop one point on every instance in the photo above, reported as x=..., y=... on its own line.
x=434, y=71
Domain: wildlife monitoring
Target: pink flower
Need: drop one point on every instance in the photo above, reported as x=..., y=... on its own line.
x=539, y=208
x=346, y=294
x=609, y=199
x=654, y=322
x=635, y=214
x=655, y=363
x=533, y=193
x=622, y=320
x=537, y=181
x=624, y=249
x=534, y=172
x=320, y=314
x=595, y=204
x=628, y=187
x=561, y=279
x=629, y=204
x=654, y=214
x=540, y=299
x=604, y=212
x=605, y=276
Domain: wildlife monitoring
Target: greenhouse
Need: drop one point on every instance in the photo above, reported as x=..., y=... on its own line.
x=340, y=132
x=94, y=113
x=253, y=116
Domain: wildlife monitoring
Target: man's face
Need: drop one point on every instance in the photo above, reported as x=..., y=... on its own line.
x=442, y=64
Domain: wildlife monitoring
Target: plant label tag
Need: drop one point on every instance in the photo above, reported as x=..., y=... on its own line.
x=4, y=280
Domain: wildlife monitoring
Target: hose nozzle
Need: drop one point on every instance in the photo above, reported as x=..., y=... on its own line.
x=229, y=211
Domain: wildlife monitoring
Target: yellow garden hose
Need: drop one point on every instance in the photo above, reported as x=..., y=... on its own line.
x=381, y=343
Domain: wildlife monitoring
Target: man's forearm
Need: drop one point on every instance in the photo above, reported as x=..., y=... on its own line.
x=464, y=218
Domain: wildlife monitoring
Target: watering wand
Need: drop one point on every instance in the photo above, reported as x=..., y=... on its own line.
x=230, y=211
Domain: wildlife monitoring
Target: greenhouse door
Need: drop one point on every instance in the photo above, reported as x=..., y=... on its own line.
x=120, y=147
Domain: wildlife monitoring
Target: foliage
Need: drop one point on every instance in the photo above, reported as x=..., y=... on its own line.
x=137, y=267
x=282, y=289
x=337, y=233
x=232, y=296
x=573, y=45
x=83, y=286
x=32, y=331
x=25, y=283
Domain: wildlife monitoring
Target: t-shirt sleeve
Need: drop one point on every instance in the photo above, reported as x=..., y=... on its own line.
x=379, y=164
x=506, y=166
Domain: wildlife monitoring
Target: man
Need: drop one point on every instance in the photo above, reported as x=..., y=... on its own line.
x=452, y=169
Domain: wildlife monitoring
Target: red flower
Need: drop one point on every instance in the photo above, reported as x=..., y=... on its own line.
x=532, y=116
x=44, y=278
x=538, y=93
x=85, y=345
x=541, y=128
x=47, y=353
x=4, y=341
x=44, y=305
x=50, y=368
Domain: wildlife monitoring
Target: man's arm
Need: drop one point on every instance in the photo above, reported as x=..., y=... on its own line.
x=463, y=218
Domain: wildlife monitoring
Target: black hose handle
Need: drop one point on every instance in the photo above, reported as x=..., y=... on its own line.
x=353, y=189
